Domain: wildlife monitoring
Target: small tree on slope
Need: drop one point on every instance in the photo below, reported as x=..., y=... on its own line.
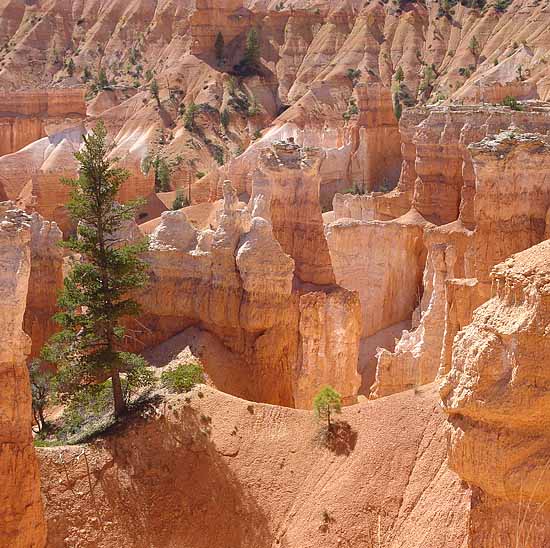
x=95, y=299
x=327, y=402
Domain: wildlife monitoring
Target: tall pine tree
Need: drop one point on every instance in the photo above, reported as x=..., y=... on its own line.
x=95, y=298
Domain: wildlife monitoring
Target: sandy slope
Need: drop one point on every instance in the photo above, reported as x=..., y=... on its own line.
x=219, y=472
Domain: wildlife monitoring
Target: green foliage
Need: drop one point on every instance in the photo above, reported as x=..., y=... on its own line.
x=218, y=153
x=252, y=50
x=397, y=107
x=87, y=75
x=183, y=378
x=353, y=109
x=219, y=47
x=225, y=118
x=520, y=75
x=148, y=75
x=502, y=5
x=95, y=298
x=399, y=75
x=102, y=81
x=512, y=102
x=327, y=402
x=41, y=391
x=473, y=46
x=251, y=61
x=354, y=75
x=159, y=161
x=70, y=67
x=428, y=78
x=154, y=90
x=189, y=117
x=200, y=174
x=253, y=108
x=180, y=201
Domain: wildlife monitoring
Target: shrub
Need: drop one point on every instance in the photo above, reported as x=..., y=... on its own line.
x=353, y=75
x=502, y=5
x=189, y=117
x=512, y=102
x=183, y=378
x=327, y=402
x=225, y=118
x=41, y=388
x=180, y=201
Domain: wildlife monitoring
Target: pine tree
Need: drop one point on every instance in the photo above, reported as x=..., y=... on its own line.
x=95, y=298
x=252, y=51
x=399, y=75
x=70, y=67
x=219, y=47
x=326, y=402
x=154, y=89
x=102, y=81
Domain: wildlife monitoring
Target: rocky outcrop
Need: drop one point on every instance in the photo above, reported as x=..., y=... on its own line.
x=287, y=175
x=496, y=396
x=21, y=520
x=237, y=284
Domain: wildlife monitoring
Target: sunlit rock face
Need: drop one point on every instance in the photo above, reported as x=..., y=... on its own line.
x=21, y=520
x=496, y=396
x=508, y=169
x=280, y=338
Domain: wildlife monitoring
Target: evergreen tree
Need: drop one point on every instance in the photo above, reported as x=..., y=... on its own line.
x=102, y=81
x=326, y=402
x=225, y=118
x=252, y=51
x=95, y=298
x=219, y=47
x=154, y=89
x=70, y=67
x=399, y=75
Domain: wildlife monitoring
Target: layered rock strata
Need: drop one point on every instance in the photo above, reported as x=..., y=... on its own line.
x=26, y=116
x=473, y=243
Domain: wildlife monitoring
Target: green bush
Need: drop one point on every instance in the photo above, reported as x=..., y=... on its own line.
x=512, y=102
x=180, y=201
x=183, y=378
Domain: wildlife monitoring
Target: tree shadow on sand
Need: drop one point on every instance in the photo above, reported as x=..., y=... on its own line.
x=340, y=438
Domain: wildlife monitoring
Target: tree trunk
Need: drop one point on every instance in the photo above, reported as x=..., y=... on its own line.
x=118, y=397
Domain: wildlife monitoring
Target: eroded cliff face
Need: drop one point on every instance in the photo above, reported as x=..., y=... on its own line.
x=461, y=253
x=236, y=283
x=496, y=396
x=21, y=520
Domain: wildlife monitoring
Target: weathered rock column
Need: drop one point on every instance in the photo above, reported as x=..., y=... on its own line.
x=21, y=517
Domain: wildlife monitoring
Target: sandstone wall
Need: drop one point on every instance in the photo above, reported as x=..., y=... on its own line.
x=496, y=396
x=45, y=282
x=21, y=519
x=508, y=170
x=27, y=116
